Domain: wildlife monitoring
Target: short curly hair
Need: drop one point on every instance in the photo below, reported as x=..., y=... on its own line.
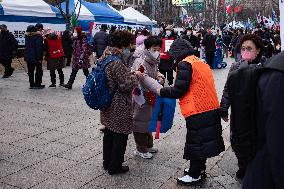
x=121, y=39
x=256, y=40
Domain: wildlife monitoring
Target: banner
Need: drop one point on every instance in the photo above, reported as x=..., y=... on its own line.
x=18, y=29
x=281, y=9
x=95, y=27
x=181, y=2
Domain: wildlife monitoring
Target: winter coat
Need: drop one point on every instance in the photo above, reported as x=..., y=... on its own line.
x=67, y=44
x=194, y=41
x=204, y=130
x=237, y=94
x=142, y=115
x=56, y=62
x=81, y=53
x=266, y=169
x=34, y=47
x=101, y=41
x=119, y=116
x=209, y=42
x=237, y=44
x=226, y=40
x=8, y=45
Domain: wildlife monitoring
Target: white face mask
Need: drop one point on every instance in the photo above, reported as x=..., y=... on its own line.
x=188, y=33
x=155, y=54
x=168, y=33
x=75, y=34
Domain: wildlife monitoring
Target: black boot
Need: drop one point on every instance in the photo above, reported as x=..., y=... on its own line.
x=71, y=79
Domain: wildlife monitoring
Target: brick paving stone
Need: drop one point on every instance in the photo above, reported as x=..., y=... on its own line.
x=54, y=165
x=54, y=148
x=6, y=186
x=29, y=157
x=8, y=168
x=56, y=182
x=26, y=178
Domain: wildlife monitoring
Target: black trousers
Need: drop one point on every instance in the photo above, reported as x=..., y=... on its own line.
x=53, y=76
x=196, y=167
x=210, y=58
x=114, y=146
x=7, y=65
x=35, y=79
x=74, y=73
x=143, y=141
x=69, y=59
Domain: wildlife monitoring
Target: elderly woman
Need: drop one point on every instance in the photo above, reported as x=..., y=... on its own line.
x=118, y=118
x=236, y=94
x=149, y=60
x=81, y=54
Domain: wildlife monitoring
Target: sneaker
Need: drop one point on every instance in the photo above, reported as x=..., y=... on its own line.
x=152, y=150
x=147, y=155
x=188, y=180
x=124, y=169
x=203, y=173
x=61, y=85
x=52, y=86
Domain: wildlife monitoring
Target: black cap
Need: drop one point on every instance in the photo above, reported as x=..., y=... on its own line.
x=31, y=28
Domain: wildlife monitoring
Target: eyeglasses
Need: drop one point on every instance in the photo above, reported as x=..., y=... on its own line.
x=249, y=49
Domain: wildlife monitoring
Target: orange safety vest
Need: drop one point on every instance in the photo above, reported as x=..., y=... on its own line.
x=202, y=96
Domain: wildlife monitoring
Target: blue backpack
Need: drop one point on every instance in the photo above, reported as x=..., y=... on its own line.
x=96, y=92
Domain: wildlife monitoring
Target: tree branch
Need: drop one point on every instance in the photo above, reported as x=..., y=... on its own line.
x=77, y=16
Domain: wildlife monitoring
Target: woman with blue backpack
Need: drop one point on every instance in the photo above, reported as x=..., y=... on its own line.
x=117, y=117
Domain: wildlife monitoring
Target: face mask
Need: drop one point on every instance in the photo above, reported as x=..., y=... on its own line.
x=168, y=33
x=188, y=33
x=126, y=52
x=75, y=34
x=155, y=54
x=248, y=55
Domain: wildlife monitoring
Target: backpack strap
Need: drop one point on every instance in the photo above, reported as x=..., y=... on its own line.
x=108, y=60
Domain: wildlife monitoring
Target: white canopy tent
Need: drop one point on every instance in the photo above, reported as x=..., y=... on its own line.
x=130, y=15
x=19, y=14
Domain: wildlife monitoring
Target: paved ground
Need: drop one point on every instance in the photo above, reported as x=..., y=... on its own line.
x=50, y=139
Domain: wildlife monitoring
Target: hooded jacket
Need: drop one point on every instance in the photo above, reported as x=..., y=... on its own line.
x=34, y=47
x=204, y=136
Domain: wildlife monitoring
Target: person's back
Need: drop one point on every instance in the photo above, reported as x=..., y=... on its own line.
x=227, y=40
x=266, y=169
x=8, y=44
x=34, y=47
x=101, y=41
x=209, y=43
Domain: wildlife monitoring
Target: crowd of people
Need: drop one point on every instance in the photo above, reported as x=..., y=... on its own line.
x=253, y=90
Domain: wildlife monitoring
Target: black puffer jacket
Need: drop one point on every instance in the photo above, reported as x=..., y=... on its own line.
x=8, y=45
x=209, y=42
x=237, y=93
x=204, y=131
x=34, y=47
x=266, y=169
